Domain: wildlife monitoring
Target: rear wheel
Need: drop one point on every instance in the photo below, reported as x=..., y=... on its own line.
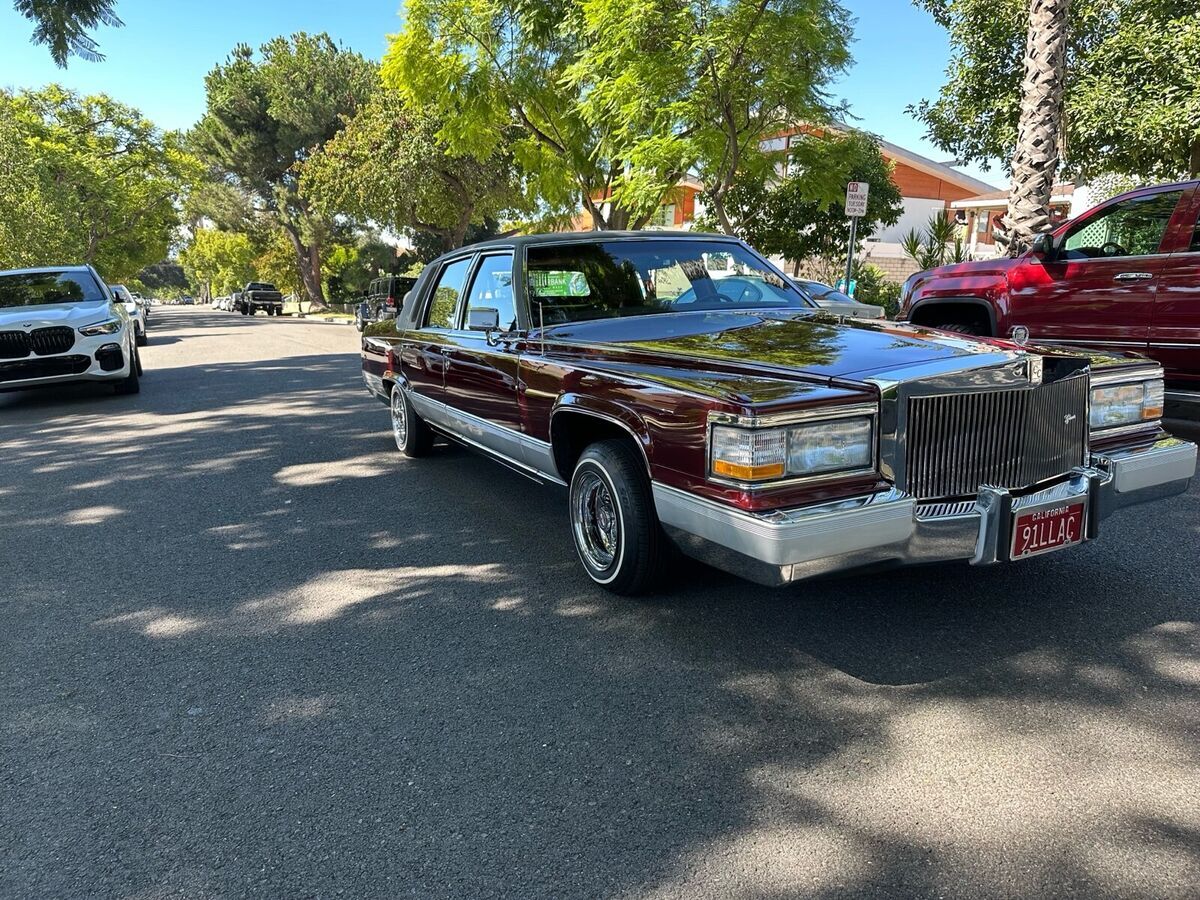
x=613, y=521
x=413, y=437
x=142, y=340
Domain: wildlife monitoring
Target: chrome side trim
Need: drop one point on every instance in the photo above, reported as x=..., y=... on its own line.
x=526, y=454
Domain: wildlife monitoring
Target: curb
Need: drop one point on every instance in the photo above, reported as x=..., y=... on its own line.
x=323, y=320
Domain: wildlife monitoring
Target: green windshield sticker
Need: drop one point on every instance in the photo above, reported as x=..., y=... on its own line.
x=558, y=284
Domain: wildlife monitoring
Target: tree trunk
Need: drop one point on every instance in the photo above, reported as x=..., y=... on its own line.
x=1036, y=155
x=717, y=201
x=308, y=261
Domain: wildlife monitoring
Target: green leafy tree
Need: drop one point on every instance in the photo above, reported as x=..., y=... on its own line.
x=802, y=217
x=87, y=179
x=63, y=25
x=616, y=103
x=1130, y=100
x=389, y=167
x=698, y=86
x=481, y=67
x=266, y=116
x=218, y=262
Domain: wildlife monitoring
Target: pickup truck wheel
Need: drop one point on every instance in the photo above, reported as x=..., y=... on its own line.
x=613, y=522
x=245, y=310
x=413, y=437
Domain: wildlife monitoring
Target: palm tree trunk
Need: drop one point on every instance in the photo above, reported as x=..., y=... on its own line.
x=1036, y=155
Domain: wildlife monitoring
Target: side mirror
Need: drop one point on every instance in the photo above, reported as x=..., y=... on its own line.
x=1045, y=246
x=483, y=318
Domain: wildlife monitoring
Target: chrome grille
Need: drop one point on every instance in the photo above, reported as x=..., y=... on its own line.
x=1013, y=439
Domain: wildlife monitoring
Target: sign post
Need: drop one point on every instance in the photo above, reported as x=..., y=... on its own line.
x=856, y=208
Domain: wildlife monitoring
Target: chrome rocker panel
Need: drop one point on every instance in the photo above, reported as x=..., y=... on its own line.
x=891, y=528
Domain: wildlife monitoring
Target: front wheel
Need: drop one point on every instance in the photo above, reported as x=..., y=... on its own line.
x=413, y=437
x=130, y=384
x=613, y=521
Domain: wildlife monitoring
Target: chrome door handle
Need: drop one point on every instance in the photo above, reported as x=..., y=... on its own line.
x=1133, y=276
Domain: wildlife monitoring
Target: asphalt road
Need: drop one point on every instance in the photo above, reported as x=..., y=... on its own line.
x=248, y=650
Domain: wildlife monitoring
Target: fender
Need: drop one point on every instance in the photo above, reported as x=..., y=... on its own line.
x=607, y=411
x=944, y=301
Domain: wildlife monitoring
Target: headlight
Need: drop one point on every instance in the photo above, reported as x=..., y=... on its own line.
x=792, y=451
x=1131, y=403
x=109, y=326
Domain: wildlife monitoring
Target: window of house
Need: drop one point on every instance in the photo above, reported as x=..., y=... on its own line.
x=446, y=295
x=1133, y=227
x=664, y=216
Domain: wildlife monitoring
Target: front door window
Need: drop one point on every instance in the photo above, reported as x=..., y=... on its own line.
x=1132, y=227
x=492, y=289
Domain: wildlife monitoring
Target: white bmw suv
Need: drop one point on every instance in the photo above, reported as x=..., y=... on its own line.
x=61, y=324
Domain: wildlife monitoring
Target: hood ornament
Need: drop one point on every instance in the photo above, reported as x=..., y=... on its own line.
x=1019, y=335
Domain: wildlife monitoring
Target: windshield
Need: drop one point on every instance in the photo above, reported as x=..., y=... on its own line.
x=576, y=282
x=260, y=286
x=38, y=288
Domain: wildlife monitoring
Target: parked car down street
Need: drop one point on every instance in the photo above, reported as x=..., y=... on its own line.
x=137, y=314
x=258, y=295
x=834, y=301
x=61, y=324
x=726, y=415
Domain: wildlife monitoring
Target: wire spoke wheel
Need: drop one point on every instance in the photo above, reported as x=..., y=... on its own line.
x=597, y=525
x=399, y=418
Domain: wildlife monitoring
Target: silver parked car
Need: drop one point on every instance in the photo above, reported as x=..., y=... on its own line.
x=133, y=306
x=834, y=301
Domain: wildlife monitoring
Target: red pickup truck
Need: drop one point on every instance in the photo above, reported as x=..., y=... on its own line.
x=1124, y=276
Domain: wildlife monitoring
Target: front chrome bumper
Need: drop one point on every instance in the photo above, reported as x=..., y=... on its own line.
x=892, y=528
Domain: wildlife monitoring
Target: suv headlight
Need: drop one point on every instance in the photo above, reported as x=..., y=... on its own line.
x=1126, y=403
x=108, y=326
x=817, y=447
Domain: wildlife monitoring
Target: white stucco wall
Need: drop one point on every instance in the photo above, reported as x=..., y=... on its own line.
x=917, y=212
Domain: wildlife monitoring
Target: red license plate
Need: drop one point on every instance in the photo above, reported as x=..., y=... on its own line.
x=1045, y=530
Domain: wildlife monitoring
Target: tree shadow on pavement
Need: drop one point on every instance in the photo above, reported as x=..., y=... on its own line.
x=250, y=647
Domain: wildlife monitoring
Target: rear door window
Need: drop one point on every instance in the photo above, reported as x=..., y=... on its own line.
x=446, y=294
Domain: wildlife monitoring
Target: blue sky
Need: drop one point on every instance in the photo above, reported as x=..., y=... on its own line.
x=158, y=61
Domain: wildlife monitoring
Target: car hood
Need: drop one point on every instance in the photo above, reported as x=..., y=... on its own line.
x=809, y=342
x=70, y=314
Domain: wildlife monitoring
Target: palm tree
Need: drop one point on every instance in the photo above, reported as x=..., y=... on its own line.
x=1036, y=155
